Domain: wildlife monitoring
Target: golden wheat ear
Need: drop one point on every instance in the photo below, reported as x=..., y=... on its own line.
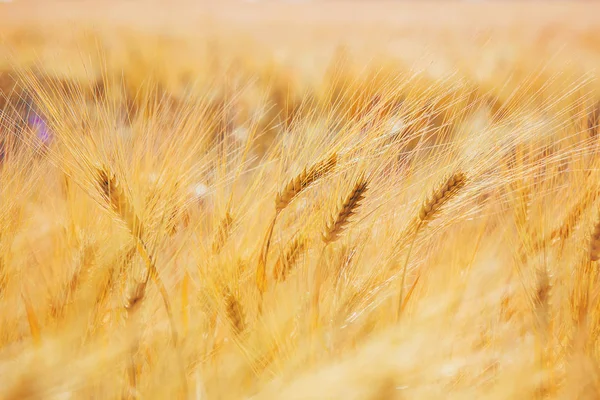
x=441, y=196
x=114, y=194
x=337, y=222
x=235, y=312
x=135, y=295
x=288, y=259
x=595, y=243
x=574, y=216
x=222, y=233
x=282, y=200
x=304, y=180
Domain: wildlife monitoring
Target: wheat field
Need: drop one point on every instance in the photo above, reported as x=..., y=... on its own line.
x=324, y=200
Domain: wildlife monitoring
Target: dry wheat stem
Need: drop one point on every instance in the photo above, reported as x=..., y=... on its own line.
x=261, y=269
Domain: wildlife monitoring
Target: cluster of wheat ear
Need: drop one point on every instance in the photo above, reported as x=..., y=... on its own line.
x=381, y=232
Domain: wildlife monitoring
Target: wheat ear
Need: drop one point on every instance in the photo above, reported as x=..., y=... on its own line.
x=541, y=296
x=564, y=231
x=222, y=233
x=595, y=243
x=334, y=226
x=282, y=200
x=288, y=259
x=428, y=211
x=235, y=312
x=114, y=194
x=441, y=196
x=337, y=222
x=574, y=216
x=304, y=180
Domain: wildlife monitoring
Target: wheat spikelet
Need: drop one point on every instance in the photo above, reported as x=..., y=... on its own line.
x=574, y=216
x=336, y=223
x=428, y=211
x=289, y=257
x=441, y=196
x=235, y=312
x=135, y=296
x=541, y=297
x=113, y=193
x=595, y=243
x=303, y=180
x=222, y=233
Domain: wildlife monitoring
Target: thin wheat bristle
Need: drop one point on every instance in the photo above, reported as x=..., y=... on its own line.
x=113, y=193
x=235, y=312
x=441, y=196
x=222, y=232
x=303, y=180
x=288, y=259
x=595, y=243
x=338, y=221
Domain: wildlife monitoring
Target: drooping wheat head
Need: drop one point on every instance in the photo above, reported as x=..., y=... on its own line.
x=282, y=200
x=441, y=196
x=337, y=222
x=303, y=180
x=222, y=233
x=114, y=194
x=595, y=243
x=288, y=258
x=235, y=312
